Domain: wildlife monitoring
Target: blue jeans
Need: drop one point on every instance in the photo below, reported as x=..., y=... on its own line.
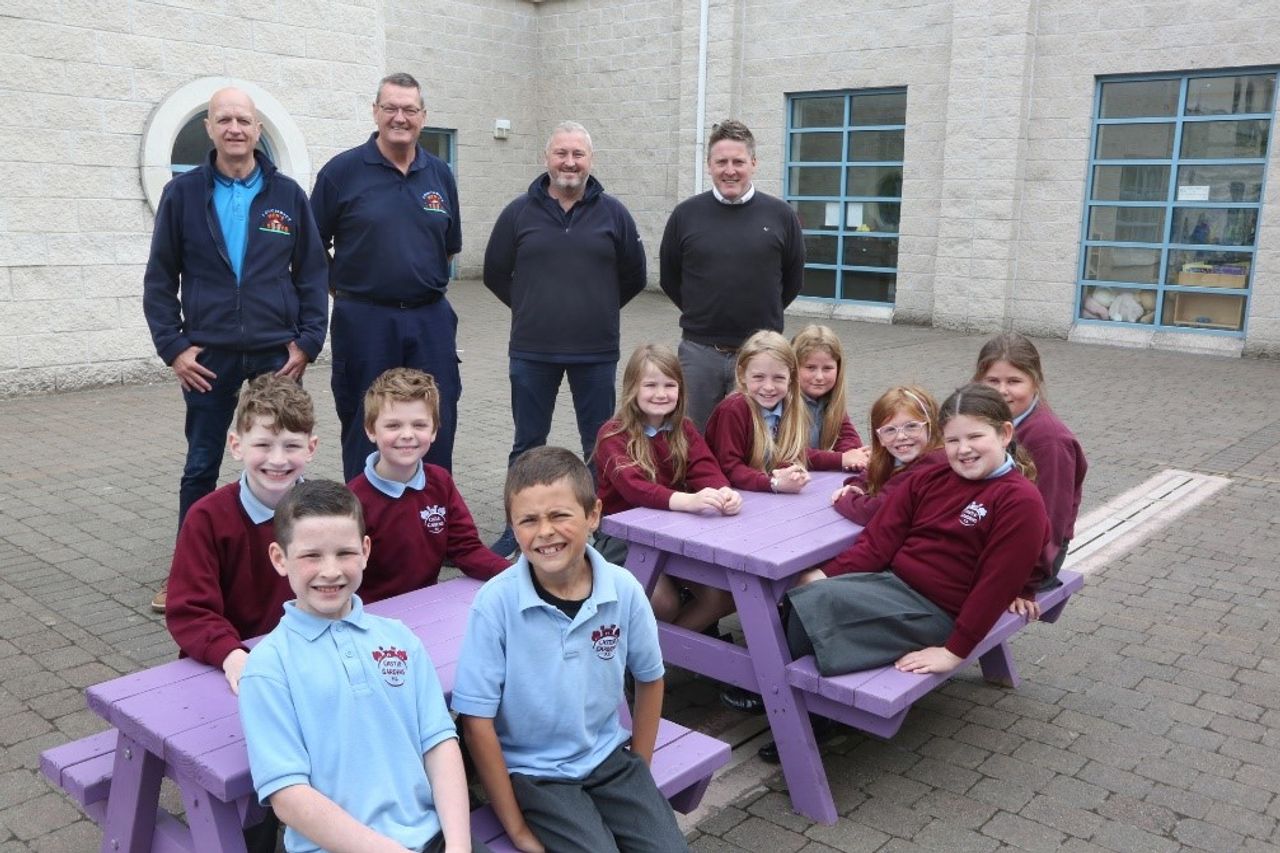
x=534, y=386
x=209, y=415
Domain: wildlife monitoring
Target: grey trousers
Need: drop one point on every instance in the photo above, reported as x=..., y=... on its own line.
x=709, y=376
x=861, y=621
x=617, y=808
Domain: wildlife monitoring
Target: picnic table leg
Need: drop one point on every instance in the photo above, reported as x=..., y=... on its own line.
x=130, y=820
x=788, y=718
x=998, y=666
x=215, y=825
x=645, y=562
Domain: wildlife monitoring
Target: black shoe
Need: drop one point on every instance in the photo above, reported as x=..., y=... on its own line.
x=738, y=699
x=823, y=728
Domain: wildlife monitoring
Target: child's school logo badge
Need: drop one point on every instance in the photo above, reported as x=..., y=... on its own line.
x=394, y=664
x=433, y=202
x=433, y=518
x=972, y=514
x=605, y=641
x=276, y=222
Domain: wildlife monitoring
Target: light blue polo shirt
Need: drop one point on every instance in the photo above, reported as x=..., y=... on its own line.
x=349, y=707
x=231, y=200
x=393, y=489
x=551, y=686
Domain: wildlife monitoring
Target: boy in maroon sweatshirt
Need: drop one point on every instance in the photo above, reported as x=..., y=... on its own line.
x=222, y=586
x=413, y=512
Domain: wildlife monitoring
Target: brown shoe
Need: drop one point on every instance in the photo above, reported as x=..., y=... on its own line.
x=157, y=602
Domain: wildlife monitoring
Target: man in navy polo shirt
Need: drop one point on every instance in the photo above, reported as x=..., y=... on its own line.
x=390, y=211
x=234, y=285
x=564, y=257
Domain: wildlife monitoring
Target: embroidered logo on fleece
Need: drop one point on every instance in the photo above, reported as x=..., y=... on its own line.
x=433, y=202
x=394, y=664
x=433, y=518
x=276, y=222
x=972, y=514
x=605, y=641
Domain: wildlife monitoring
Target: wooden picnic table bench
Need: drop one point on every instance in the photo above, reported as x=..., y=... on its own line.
x=756, y=555
x=179, y=720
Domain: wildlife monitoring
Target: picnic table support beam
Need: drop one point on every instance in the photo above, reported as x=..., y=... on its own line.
x=131, y=814
x=215, y=825
x=645, y=562
x=786, y=708
x=998, y=666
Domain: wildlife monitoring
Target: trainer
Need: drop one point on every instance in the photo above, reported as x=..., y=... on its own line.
x=731, y=260
x=390, y=211
x=234, y=285
x=564, y=257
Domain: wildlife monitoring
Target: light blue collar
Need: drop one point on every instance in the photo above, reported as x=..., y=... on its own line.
x=773, y=417
x=311, y=627
x=259, y=513
x=1004, y=468
x=392, y=488
x=652, y=431
x=1035, y=401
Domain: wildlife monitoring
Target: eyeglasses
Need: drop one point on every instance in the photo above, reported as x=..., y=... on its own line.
x=409, y=112
x=910, y=429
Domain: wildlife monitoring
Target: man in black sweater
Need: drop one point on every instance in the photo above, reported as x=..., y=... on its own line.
x=731, y=260
x=564, y=257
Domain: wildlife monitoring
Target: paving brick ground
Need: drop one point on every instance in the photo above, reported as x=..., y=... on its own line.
x=1148, y=719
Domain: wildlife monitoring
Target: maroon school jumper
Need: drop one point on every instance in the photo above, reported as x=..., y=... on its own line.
x=622, y=485
x=222, y=586
x=861, y=508
x=415, y=533
x=966, y=545
x=729, y=435
x=1060, y=470
x=833, y=459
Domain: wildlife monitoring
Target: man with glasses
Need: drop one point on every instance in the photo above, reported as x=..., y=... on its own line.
x=390, y=211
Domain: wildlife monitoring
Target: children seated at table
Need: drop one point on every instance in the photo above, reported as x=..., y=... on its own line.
x=904, y=439
x=833, y=442
x=222, y=587
x=758, y=433
x=344, y=718
x=941, y=560
x=651, y=455
x=540, y=678
x=1011, y=364
x=413, y=512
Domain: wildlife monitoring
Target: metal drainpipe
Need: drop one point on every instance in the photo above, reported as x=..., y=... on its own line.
x=698, y=154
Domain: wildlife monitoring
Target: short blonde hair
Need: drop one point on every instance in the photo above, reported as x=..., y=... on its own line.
x=277, y=400
x=400, y=385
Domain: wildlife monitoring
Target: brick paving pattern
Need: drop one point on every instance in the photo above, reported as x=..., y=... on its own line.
x=1148, y=718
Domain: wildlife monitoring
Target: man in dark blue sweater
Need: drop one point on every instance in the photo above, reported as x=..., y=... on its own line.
x=564, y=257
x=234, y=286
x=732, y=259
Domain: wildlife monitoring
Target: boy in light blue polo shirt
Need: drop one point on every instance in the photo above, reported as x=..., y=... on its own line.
x=540, y=674
x=344, y=718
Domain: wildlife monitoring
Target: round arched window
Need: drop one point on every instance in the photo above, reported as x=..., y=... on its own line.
x=175, y=139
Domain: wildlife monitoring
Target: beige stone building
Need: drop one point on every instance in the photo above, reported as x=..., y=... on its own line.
x=1096, y=170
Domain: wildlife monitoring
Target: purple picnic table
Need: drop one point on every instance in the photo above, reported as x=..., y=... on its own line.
x=181, y=720
x=755, y=555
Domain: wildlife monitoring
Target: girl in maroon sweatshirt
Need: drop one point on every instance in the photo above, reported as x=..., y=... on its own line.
x=651, y=455
x=941, y=560
x=904, y=438
x=758, y=433
x=1010, y=364
x=833, y=443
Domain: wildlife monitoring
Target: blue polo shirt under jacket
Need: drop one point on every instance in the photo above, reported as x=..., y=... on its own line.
x=552, y=686
x=348, y=706
x=393, y=232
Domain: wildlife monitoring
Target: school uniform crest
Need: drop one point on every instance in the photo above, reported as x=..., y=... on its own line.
x=393, y=663
x=433, y=518
x=276, y=222
x=605, y=641
x=433, y=202
x=972, y=514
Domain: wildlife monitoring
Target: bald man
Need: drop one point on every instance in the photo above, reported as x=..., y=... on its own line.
x=236, y=284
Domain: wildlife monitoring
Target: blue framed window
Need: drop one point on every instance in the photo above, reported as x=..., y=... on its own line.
x=1177, y=172
x=844, y=178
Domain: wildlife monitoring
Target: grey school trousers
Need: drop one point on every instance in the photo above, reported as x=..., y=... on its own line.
x=709, y=376
x=617, y=808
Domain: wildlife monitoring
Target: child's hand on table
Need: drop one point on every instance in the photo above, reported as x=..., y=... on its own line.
x=1026, y=607
x=233, y=666
x=845, y=490
x=789, y=480
x=855, y=459
x=724, y=501
x=932, y=659
x=732, y=501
